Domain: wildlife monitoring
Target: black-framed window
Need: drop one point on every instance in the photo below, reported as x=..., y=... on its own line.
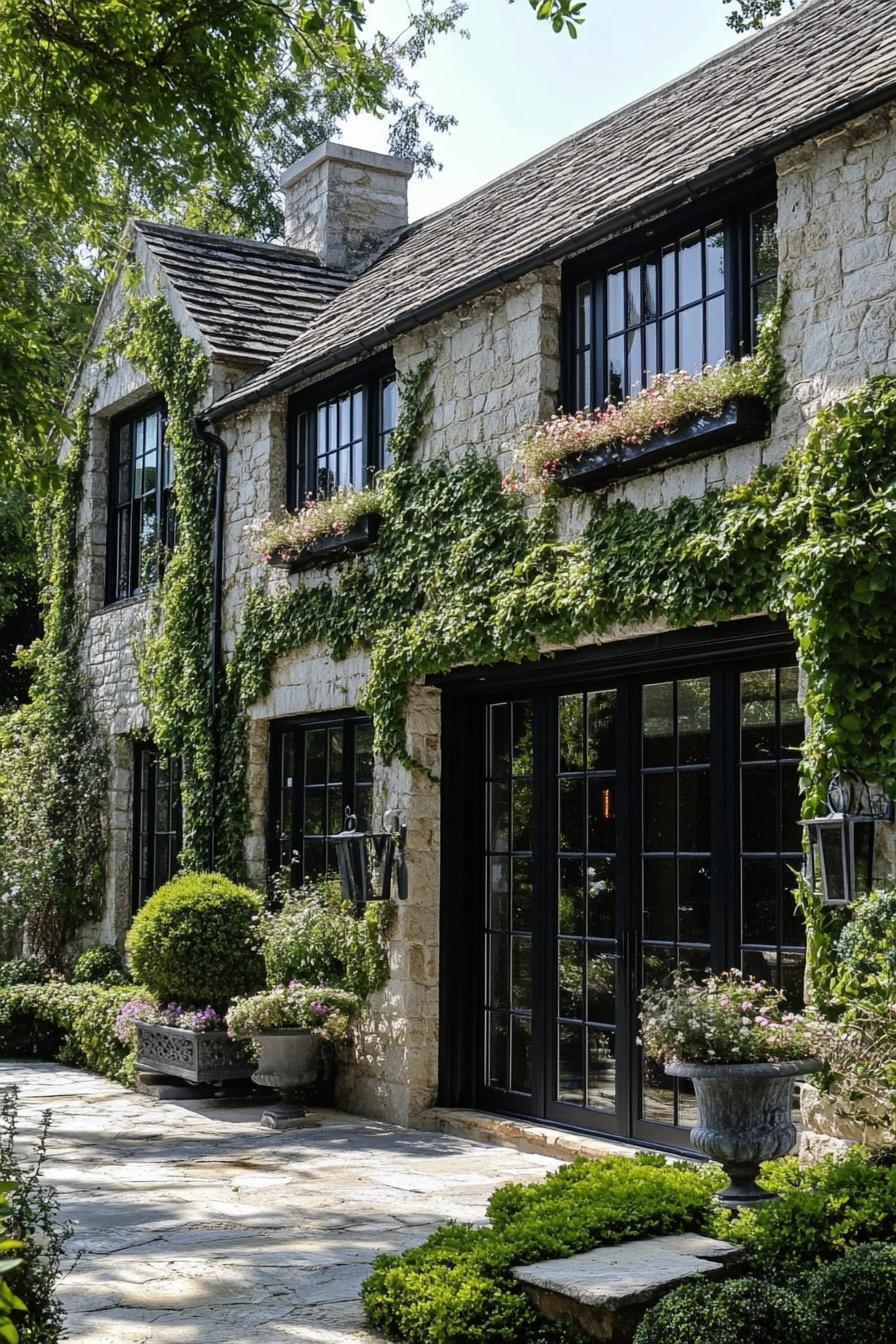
x=141, y=512
x=674, y=300
x=340, y=433
x=158, y=820
x=319, y=769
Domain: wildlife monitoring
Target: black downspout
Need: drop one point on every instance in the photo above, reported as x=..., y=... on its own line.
x=216, y=650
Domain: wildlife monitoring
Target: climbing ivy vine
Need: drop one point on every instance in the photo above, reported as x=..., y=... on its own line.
x=53, y=764
x=176, y=665
x=465, y=572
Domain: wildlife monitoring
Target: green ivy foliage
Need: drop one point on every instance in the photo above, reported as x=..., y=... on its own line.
x=53, y=762
x=175, y=670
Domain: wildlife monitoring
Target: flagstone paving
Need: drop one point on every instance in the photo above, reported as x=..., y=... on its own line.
x=196, y=1226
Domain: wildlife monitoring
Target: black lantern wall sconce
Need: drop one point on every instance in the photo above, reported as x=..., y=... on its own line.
x=372, y=862
x=841, y=845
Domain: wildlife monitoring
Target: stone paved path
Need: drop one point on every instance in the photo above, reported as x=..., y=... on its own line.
x=199, y=1227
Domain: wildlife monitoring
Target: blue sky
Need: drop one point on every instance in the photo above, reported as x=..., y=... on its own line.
x=516, y=87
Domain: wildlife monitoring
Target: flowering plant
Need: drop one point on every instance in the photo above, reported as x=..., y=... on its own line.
x=139, y=1009
x=297, y=1006
x=655, y=410
x=286, y=535
x=726, y=1019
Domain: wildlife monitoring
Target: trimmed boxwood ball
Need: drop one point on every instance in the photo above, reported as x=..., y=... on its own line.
x=853, y=1300
x=738, y=1311
x=194, y=941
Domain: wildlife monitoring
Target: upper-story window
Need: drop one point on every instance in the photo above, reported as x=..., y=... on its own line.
x=141, y=514
x=684, y=300
x=339, y=434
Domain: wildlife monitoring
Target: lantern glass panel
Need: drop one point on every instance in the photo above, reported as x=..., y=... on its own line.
x=352, y=858
x=834, y=845
x=863, y=865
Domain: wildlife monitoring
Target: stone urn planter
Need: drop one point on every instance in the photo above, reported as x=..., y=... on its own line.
x=744, y=1118
x=288, y=1059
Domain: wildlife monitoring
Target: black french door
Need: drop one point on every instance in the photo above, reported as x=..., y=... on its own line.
x=627, y=823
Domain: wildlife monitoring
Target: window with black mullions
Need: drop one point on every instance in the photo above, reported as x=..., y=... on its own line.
x=319, y=770
x=158, y=820
x=141, y=516
x=683, y=302
x=340, y=434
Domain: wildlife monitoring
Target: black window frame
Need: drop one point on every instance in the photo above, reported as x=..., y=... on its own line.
x=145, y=883
x=302, y=449
x=128, y=510
x=294, y=730
x=734, y=210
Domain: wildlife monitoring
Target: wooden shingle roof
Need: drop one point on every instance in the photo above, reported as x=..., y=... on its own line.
x=827, y=62
x=250, y=300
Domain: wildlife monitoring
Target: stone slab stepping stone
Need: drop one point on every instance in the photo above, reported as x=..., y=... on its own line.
x=606, y=1292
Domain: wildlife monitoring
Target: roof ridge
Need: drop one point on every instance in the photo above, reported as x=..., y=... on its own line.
x=252, y=244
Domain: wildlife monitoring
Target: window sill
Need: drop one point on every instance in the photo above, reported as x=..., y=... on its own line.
x=331, y=547
x=742, y=420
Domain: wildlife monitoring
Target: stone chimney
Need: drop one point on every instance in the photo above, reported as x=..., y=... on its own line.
x=343, y=203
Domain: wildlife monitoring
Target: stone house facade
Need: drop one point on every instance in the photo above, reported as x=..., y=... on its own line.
x=776, y=159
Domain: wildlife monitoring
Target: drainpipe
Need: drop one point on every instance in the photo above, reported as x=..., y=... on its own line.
x=216, y=650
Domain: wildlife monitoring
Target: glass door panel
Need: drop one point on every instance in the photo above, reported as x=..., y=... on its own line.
x=676, y=853
x=509, y=903
x=586, y=953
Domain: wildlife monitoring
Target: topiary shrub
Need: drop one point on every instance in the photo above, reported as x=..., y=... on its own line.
x=23, y=971
x=194, y=941
x=866, y=948
x=853, y=1300
x=457, y=1286
x=820, y=1212
x=97, y=965
x=740, y=1311
x=319, y=938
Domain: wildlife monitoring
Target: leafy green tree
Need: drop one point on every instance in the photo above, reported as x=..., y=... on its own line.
x=750, y=14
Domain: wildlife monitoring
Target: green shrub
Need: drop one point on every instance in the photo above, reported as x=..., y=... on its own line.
x=457, y=1285
x=741, y=1311
x=23, y=971
x=866, y=949
x=92, y=1041
x=853, y=1300
x=821, y=1211
x=98, y=965
x=194, y=941
x=319, y=938
x=35, y=1020
x=74, y=1024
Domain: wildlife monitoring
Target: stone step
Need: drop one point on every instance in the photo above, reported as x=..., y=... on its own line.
x=606, y=1292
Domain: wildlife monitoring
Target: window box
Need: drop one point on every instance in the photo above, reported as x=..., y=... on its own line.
x=197, y=1056
x=332, y=546
x=741, y=420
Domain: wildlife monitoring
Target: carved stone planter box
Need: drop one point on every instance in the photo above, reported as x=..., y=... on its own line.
x=332, y=546
x=197, y=1056
x=741, y=420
